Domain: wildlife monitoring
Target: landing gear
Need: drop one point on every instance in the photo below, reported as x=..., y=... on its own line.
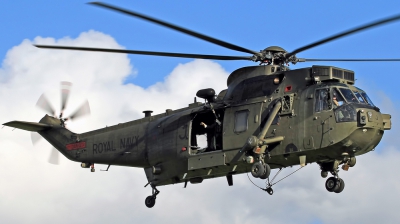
x=260, y=170
x=331, y=184
x=341, y=186
x=257, y=170
x=151, y=200
x=334, y=184
x=267, y=171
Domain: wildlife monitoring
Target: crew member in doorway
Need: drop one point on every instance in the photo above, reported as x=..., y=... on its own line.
x=210, y=130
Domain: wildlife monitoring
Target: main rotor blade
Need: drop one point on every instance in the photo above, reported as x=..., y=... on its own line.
x=65, y=90
x=177, y=28
x=350, y=60
x=346, y=33
x=54, y=157
x=154, y=53
x=83, y=110
x=45, y=105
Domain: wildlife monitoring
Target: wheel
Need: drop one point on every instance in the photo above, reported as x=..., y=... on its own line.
x=340, y=182
x=324, y=174
x=266, y=173
x=150, y=201
x=92, y=169
x=352, y=161
x=331, y=184
x=257, y=170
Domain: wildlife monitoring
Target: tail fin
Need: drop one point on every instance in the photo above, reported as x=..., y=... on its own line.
x=51, y=129
x=28, y=126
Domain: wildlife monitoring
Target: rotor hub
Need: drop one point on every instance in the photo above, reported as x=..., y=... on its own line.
x=274, y=55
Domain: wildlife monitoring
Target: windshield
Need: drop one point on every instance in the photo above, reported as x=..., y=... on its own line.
x=359, y=97
x=364, y=96
x=348, y=95
x=341, y=95
x=369, y=101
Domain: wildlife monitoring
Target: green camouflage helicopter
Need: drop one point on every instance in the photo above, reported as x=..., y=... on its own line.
x=269, y=117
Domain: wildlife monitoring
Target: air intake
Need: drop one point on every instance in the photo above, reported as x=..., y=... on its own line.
x=329, y=73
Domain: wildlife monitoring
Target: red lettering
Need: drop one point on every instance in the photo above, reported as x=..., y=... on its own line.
x=74, y=146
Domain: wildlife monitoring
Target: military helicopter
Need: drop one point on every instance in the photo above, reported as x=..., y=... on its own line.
x=269, y=117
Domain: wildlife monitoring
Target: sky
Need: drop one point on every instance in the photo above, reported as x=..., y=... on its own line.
x=119, y=87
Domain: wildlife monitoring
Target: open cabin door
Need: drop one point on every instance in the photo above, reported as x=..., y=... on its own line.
x=239, y=124
x=206, y=142
x=208, y=137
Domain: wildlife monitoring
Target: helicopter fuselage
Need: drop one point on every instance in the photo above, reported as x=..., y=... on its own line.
x=310, y=125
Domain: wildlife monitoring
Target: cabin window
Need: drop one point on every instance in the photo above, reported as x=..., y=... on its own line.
x=241, y=121
x=322, y=100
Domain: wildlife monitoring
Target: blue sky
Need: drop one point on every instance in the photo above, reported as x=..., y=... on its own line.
x=251, y=24
x=69, y=194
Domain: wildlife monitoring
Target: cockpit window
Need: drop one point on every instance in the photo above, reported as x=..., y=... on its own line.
x=322, y=100
x=348, y=95
x=359, y=97
x=346, y=113
x=337, y=98
x=343, y=95
x=369, y=101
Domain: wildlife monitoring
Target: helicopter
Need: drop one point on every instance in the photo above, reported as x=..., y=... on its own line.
x=269, y=117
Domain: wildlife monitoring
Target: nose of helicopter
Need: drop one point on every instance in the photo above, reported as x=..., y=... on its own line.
x=371, y=125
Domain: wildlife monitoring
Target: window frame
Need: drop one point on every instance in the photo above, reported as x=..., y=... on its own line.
x=235, y=127
x=316, y=98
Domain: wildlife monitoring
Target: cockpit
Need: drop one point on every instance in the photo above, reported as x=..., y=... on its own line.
x=342, y=100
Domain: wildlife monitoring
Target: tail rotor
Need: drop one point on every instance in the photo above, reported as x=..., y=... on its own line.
x=44, y=104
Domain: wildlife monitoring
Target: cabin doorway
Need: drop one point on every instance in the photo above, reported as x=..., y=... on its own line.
x=206, y=132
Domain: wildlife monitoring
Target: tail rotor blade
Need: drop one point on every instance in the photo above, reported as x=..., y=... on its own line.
x=35, y=137
x=44, y=104
x=54, y=157
x=83, y=110
x=65, y=90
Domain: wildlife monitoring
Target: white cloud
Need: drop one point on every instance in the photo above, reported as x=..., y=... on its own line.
x=70, y=194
